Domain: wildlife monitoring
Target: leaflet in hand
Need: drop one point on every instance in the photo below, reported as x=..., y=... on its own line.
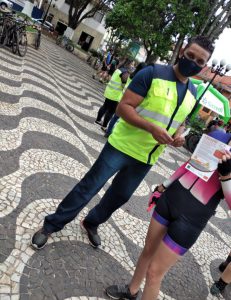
x=205, y=157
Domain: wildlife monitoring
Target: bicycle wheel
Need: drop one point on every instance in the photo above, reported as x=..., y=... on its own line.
x=69, y=47
x=37, y=42
x=14, y=46
x=3, y=35
x=22, y=43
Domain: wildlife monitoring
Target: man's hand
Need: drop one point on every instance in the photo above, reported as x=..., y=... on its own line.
x=161, y=135
x=178, y=141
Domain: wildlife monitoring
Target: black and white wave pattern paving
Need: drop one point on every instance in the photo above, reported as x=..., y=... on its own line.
x=48, y=140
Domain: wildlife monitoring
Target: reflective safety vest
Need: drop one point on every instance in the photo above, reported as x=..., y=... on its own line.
x=158, y=107
x=129, y=80
x=114, y=89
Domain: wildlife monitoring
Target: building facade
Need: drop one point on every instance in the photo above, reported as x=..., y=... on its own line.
x=89, y=34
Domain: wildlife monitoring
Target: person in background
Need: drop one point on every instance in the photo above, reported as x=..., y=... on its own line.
x=113, y=67
x=103, y=73
x=115, y=118
x=113, y=94
x=218, y=126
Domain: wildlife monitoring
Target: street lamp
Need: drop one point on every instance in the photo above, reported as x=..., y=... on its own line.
x=217, y=69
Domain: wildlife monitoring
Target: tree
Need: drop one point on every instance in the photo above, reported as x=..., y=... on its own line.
x=145, y=21
x=163, y=25
x=83, y=9
x=214, y=17
x=218, y=22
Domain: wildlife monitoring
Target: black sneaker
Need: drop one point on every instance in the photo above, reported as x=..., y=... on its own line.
x=120, y=292
x=217, y=289
x=92, y=234
x=39, y=239
x=104, y=129
x=98, y=123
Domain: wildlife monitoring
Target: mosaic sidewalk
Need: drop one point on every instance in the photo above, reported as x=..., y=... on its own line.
x=48, y=140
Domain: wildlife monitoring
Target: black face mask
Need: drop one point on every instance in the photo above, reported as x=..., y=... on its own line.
x=188, y=67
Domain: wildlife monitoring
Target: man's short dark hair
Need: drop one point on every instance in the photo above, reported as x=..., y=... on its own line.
x=203, y=41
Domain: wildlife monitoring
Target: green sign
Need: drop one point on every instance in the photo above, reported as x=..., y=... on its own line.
x=134, y=49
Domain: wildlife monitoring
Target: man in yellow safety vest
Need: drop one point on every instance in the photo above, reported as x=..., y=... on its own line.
x=152, y=113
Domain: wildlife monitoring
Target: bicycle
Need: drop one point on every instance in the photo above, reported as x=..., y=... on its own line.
x=6, y=22
x=13, y=34
x=65, y=42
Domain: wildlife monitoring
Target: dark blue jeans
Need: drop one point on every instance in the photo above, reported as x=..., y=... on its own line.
x=130, y=173
x=111, y=125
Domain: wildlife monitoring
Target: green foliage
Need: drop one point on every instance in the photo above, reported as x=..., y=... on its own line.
x=31, y=29
x=159, y=24
x=197, y=124
x=95, y=53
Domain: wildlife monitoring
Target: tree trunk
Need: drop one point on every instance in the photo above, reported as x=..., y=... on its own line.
x=218, y=18
x=151, y=57
x=176, y=50
x=225, y=22
x=211, y=14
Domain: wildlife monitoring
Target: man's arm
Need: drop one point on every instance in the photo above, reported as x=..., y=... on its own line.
x=127, y=111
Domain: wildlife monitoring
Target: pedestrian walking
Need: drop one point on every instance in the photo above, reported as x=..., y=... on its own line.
x=113, y=67
x=152, y=114
x=103, y=73
x=115, y=118
x=113, y=94
x=184, y=208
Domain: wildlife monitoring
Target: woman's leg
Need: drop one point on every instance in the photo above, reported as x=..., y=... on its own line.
x=111, y=108
x=154, y=236
x=102, y=110
x=226, y=275
x=224, y=264
x=163, y=259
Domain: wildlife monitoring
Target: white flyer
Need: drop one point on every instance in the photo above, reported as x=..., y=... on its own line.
x=205, y=157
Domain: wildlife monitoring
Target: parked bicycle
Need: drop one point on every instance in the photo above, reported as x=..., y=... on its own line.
x=65, y=42
x=13, y=33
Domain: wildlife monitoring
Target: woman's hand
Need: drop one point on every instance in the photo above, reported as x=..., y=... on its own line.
x=224, y=165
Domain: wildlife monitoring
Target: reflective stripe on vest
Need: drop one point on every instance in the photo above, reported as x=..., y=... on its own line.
x=157, y=117
x=115, y=82
x=114, y=89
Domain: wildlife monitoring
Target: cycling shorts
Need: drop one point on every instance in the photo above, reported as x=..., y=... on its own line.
x=183, y=215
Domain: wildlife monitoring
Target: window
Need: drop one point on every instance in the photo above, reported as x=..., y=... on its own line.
x=98, y=16
x=50, y=18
